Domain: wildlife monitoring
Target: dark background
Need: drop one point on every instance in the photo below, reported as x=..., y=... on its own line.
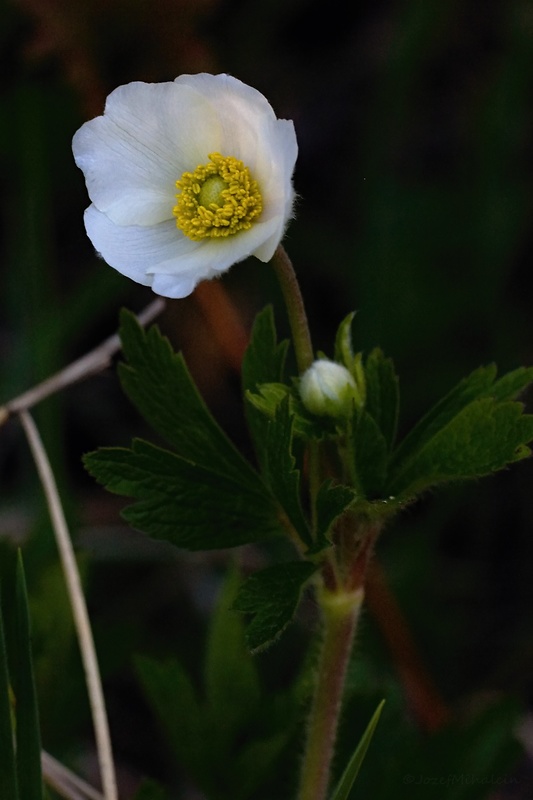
x=414, y=120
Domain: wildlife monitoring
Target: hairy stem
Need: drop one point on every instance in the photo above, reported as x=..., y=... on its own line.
x=295, y=308
x=78, y=605
x=340, y=614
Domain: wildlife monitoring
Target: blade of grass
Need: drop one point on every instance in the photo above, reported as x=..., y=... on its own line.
x=8, y=772
x=28, y=729
x=354, y=765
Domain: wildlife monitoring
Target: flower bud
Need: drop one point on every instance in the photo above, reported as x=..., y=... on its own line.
x=328, y=389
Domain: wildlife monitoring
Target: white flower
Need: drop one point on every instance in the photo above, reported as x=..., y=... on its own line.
x=186, y=178
x=328, y=389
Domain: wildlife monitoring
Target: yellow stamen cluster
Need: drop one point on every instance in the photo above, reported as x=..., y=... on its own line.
x=217, y=199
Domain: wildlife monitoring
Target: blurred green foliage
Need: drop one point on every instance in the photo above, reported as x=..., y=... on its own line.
x=414, y=122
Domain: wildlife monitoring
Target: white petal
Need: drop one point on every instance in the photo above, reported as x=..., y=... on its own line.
x=133, y=155
x=136, y=250
x=214, y=256
x=170, y=286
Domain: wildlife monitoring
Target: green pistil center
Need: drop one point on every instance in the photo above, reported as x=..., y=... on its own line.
x=211, y=191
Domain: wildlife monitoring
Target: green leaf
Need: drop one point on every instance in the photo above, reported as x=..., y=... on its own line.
x=482, y=438
x=158, y=382
x=269, y=397
x=8, y=771
x=476, y=385
x=509, y=386
x=479, y=384
x=264, y=360
x=280, y=471
x=382, y=394
x=184, y=503
x=171, y=695
x=460, y=413
x=231, y=680
x=349, y=775
x=371, y=454
x=256, y=763
x=272, y=597
x=28, y=731
x=332, y=500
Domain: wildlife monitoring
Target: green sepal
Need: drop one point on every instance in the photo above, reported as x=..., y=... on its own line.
x=272, y=597
x=382, y=394
x=343, y=352
x=349, y=775
x=184, y=503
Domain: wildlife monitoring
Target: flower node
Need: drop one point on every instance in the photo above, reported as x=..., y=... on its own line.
x=217, y=199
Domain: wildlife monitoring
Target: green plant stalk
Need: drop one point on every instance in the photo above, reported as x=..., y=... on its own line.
x=303, y=347
x=340, y=606
x=295, y=308
x=340, y=611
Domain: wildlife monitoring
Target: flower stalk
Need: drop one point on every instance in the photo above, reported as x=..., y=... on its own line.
x=340, y=611
x=294, y=304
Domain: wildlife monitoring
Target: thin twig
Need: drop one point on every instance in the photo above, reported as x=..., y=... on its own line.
x=65, y=782
x=89, y=364
x=79, y=607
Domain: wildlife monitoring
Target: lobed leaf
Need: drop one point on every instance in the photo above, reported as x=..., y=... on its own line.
x=370, y=453
x=267, y=400
x=479, y=384
x=280, y=470
x=264, y=359
x=272, y=597
x=263, y=363
x=184, y=503
x=382, y=394
x=159, y=384
x=482, y=438
x=332, y=501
